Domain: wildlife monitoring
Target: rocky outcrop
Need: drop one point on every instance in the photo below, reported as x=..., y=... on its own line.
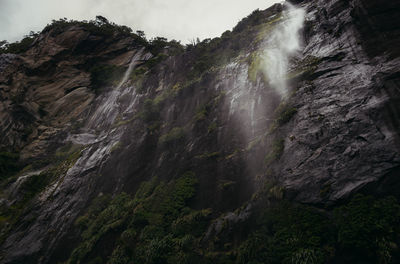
x=208, y=111
x=342, y=140
x=50, y=86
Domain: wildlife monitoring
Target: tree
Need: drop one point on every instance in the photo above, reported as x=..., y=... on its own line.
x=102, y=20
x=141, y=34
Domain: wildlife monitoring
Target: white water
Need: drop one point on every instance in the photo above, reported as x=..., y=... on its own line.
x=106, y=113
x=283, y=42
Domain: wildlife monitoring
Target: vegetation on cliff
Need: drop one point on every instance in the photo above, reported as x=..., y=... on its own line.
x=159, y=226
x=176, y=119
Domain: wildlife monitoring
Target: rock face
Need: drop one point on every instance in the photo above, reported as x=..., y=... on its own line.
x=209, y=110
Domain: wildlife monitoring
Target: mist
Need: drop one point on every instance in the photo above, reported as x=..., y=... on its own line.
x=182, y=20
x=283, y=42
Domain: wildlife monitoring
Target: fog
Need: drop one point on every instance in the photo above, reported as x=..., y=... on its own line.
x=283, y=42
x=182, y=20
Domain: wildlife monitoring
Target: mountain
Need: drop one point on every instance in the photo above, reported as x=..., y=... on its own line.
x=277, y=142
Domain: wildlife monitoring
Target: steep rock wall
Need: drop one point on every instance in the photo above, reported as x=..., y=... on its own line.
x=335, y=133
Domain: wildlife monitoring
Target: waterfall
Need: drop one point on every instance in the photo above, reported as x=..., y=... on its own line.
x=132, y=64
x=283, y=42
x=108, y=110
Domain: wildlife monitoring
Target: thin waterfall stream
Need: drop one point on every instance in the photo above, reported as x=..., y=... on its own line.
x=283, y=43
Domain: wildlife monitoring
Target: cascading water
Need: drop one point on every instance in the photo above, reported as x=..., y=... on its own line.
x=280, y=45
x=251, y=96
x=98, y=145
x=106, y=113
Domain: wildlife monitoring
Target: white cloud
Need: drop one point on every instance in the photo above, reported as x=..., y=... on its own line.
x=175, y=19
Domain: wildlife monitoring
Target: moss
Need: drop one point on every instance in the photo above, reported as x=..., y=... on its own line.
x=283, y=114
x=256, y=64
x=254, y=143
x=116, y=147
x=212, y=127
x=276, y=192
x=226, y=185
x=122, y=122
x=233, y=154
x=266, y=28
x=150, y=111
x=208, y=155
x=202, y=113
x=159, y=99
x=277, y=148
x=30, y=188
x=176, y=88
x=305, y=68
x=174, y=135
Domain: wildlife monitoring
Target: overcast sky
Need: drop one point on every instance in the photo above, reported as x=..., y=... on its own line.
x=175, y=19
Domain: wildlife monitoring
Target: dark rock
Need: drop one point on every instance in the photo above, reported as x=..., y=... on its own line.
x=337, y=133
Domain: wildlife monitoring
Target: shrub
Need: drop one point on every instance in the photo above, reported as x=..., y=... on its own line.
x=278, y=146
x=364, y=223
x=19, y=46
x=285, y=114
x=194, y=223
x=175, y=134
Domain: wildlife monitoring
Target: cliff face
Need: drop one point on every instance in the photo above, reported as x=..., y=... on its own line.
x=126, y=148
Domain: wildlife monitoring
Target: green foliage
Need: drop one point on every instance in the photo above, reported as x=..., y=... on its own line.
x=119, y=256
x=226, y=185
x=156, y=60
x=362, y=231
x=285, y=113
x=288, y=234
x=147, y=227
x=184, y=190
x=276, y=152
x=256, y=64
x=257, y=17
x=305, y=67
x=208, y=155
x=150, y=111
x=157, y=226
x=193, y=223
x=19, y=46
x=34, y=185
x=146, y=188
x=202, y=112
x=365, y=224
x=100, y=223
x=64, y=158
x=174, y=135
x=212, y=127
x=100, y=26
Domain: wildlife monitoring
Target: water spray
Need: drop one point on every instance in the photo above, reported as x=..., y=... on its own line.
x=283, y=42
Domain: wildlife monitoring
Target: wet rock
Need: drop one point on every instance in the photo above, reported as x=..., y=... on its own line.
x=335, y=133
